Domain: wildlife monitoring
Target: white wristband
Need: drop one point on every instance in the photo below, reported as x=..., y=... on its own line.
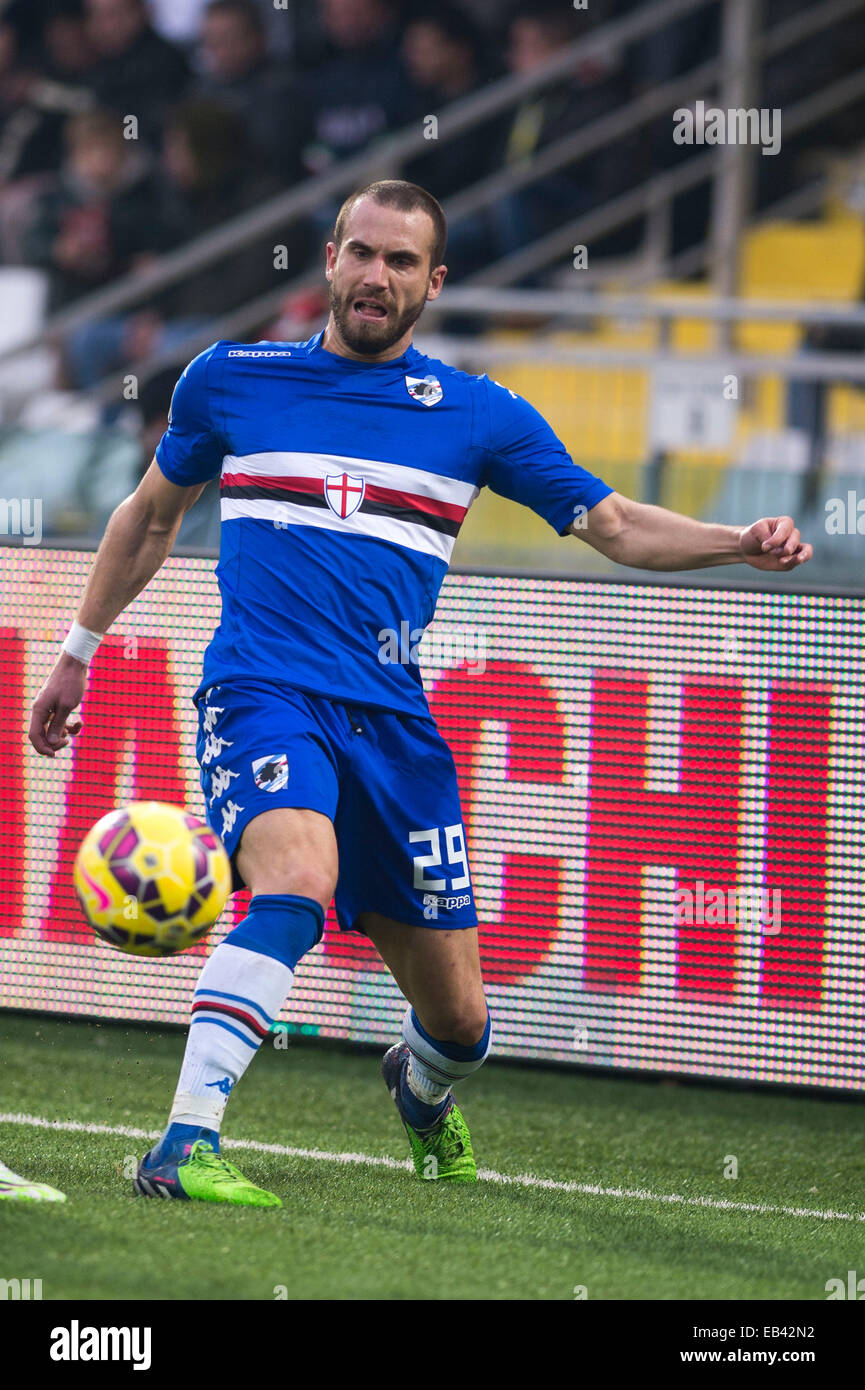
x=82, y=643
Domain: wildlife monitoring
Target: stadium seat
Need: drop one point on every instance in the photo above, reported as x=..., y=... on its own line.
x=24, y=296
x=822, y=261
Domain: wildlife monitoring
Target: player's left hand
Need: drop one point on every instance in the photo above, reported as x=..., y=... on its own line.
x=774, y=543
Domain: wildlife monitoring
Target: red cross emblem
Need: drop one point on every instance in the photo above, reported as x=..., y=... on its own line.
x=343, y=493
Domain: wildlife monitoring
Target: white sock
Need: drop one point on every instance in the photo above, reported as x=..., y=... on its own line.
x=423, y=1084
x=435, y=1066
x=238, y=995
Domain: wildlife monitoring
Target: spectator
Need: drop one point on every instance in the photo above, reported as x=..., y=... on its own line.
x=24, y=19
x=137, y=72
x=200, y=526
x=67, y=51
x=207, y=176
x=360, y=90
x=441, y=51
x=659, y=57
x=236, y=72
x=96, y=220
x=36, y=98
x=154, y=403
x=537, y=33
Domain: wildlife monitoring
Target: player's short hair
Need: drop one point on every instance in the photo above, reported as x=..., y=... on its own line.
x=405, y=197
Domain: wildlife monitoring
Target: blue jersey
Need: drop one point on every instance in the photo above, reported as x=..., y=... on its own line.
x=343, y=488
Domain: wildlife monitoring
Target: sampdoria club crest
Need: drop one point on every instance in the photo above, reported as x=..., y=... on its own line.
x=426, y=389
x=271, y=773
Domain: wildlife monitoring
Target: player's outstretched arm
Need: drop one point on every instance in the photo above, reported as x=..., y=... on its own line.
x=137, y=541
x=646, y=537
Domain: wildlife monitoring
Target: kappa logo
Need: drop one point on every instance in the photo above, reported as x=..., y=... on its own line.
x=230, y=812
x=225, y=1085
x=426, y=389
x=220, y=782
x=255, y=352
x=344, y=493
x=433, y=902
x=211, y=714
x=213, y=747
x=271, y=773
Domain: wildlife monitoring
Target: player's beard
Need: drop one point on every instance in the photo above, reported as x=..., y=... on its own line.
x=375, y=335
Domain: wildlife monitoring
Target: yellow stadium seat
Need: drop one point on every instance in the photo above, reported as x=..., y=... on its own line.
x=821, y=261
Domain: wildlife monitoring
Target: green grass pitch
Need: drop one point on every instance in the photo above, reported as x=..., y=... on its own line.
x=356, y=1230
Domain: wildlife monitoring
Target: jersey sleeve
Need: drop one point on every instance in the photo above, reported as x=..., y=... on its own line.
x=191, y=449
x=528, y=463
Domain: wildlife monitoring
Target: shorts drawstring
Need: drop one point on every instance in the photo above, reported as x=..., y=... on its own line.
x=354, y=722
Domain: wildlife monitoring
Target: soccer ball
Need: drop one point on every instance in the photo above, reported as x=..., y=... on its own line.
x=151, y=878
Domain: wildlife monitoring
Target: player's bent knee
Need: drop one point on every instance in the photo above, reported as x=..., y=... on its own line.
x=466, y=1029
x=289, y=871
x=289, y=851
x=462, y=1021
x=302, y=882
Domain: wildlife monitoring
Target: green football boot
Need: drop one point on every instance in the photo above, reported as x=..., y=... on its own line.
x=200, y=1174
x=16, y=1189
x=442, y=1153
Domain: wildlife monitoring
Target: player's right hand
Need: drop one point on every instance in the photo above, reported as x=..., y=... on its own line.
x=60, y=695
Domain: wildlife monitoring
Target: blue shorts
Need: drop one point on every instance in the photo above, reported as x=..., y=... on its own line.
x=387, y=781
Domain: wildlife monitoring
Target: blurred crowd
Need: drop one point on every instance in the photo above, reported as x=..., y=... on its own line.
x=128, y=128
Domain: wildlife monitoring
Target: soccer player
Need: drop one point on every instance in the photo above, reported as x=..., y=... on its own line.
x=347, y=464
x=17, y=1189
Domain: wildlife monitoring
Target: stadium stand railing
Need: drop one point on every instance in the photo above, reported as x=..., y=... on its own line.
x=639, y=393
x=612, y=377
x=386, y=157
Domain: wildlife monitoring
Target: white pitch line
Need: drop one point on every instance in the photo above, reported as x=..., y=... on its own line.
x=585, y=1189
